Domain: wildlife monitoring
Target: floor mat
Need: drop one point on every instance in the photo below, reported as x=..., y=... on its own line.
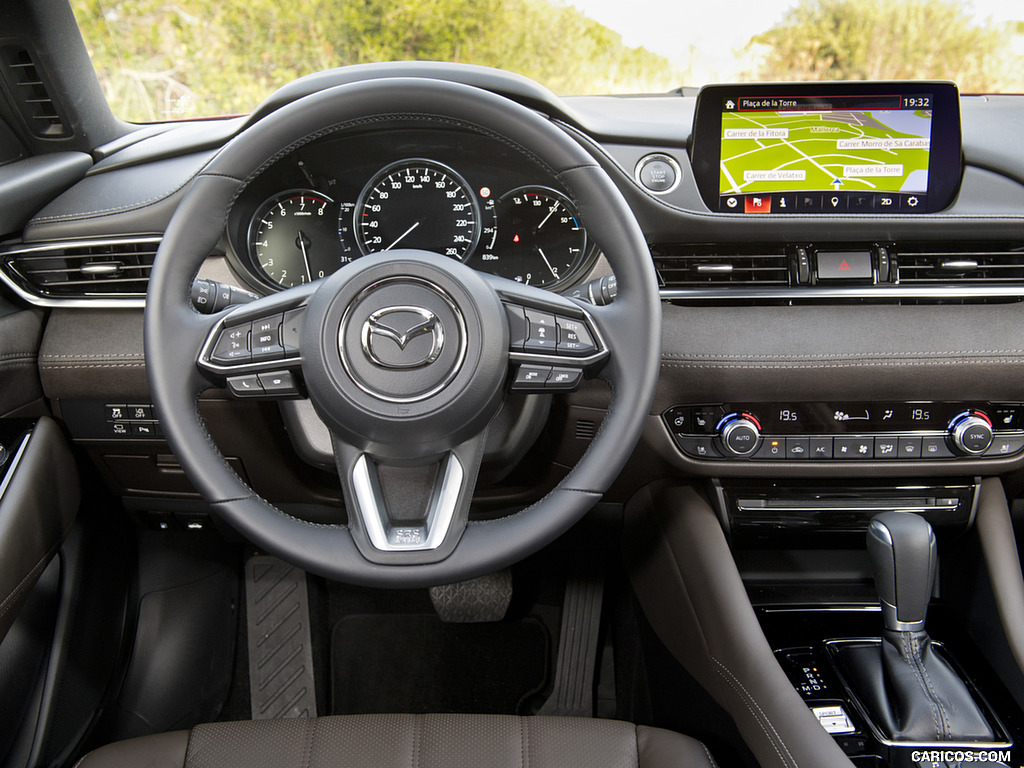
x=417, y=664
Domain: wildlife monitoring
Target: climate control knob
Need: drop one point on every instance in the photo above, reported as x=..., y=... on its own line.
x=971, y=433
x=740, y=434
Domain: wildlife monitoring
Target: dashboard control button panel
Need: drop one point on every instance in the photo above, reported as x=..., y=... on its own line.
x=872, y=431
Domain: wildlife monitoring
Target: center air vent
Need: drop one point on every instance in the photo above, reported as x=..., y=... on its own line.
x=116, y=269
x=709, y=266
x=966, y=264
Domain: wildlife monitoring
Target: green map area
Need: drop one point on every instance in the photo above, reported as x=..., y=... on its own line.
x=842, y=150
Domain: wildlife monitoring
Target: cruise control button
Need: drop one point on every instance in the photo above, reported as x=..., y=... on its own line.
x=232, y=345
x=543, y=335
x=266, y=339
x=853, y=447
x=518, y=328
x=564, y=378
x=245, y=386
x=1003, y=445
x=574, y=337
x=531, y=377
x=278, y=383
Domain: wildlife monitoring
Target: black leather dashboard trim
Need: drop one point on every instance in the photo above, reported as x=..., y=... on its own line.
x=27, y=185
x=134, y=200
x=94, y=354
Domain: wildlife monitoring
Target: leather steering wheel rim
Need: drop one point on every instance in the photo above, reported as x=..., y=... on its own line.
x=174, y=331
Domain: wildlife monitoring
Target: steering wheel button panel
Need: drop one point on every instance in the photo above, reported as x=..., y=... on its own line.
x=531, y=377
x=564, y=378
x=574, y=338
x=232, y=346
x=247, y=385
x=266, y=339
x=543, y=333
x=278, y=383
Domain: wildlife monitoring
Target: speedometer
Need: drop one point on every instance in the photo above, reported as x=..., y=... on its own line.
x=417, y=204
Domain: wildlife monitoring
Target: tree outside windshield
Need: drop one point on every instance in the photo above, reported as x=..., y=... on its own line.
x=160, y=60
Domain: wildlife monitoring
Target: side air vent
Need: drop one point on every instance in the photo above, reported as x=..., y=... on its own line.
x=715, y=266
x=990, y=264
x=116, y=269
x=28, y=86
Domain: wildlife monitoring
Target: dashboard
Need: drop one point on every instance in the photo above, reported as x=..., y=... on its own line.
x=758, y=311
x=458, y=193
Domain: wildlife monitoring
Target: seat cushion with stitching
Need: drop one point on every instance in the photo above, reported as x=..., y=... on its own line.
x=409, y=741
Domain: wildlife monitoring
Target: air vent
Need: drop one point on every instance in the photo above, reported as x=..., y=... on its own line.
x=31, y=94
x=714, y=266
x=988, y=264
x=116, y=269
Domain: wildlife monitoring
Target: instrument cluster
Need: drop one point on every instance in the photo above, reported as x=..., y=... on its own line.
x=456, y=193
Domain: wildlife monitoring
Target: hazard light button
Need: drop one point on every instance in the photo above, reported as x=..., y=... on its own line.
x=844, y=265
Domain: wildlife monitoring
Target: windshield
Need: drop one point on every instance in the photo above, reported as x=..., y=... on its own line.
x=158, y=60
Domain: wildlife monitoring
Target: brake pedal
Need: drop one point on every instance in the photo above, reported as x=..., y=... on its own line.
x=485, y=598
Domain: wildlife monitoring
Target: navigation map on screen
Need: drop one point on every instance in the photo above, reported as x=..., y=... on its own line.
x=844, y=153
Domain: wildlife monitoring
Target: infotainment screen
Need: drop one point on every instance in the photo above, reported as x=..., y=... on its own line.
x=852, y=148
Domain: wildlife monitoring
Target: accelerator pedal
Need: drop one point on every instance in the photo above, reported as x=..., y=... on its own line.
x=281, y=682
x=478, y=600
x=573, y=690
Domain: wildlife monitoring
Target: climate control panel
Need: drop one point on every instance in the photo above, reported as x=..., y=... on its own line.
x=881, y=431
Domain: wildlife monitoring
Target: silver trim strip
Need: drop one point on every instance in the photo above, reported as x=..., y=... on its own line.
x=817, y=292
x=12, y=468
x=387, y=538
x=102, y=301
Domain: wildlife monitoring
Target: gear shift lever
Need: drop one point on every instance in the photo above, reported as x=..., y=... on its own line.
x=912, y=694
x=901, y=546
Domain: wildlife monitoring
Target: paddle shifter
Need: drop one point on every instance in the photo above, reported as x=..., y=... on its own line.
x=909, y=689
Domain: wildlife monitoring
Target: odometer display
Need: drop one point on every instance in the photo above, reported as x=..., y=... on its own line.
x=417, y=204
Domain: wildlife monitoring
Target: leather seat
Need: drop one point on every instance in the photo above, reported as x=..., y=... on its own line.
x=409, y=741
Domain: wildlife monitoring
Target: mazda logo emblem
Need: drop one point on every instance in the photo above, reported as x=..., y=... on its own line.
x=402, y=337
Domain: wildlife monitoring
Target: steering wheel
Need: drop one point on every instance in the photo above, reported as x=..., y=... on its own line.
x=406, y=355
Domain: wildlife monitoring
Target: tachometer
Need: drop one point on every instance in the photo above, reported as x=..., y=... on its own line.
x=417, y=204
x=293, y=238
x=540, y=239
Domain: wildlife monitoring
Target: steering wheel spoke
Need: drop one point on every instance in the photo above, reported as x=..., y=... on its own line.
x=410, y=514
x=255, y=350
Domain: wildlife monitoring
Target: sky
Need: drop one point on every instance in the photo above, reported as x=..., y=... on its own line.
x=670, y=27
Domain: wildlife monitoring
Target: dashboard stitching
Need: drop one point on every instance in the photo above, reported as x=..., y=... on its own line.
x=759, y=716
x=119, y=209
